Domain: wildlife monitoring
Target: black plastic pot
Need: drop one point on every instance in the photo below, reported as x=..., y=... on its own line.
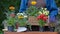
x=41, y=29
x=10, y=28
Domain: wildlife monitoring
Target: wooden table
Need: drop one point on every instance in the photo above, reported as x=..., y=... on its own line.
x=30, y=32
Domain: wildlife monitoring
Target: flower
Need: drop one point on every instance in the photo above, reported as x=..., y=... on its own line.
x=40, y=12
x=12, y=15
x=20, y=17
x=45, y=18
x=19, y=13
x=25, y=16
x=45, y=8
x=33, y=2
x=46, y=12
x=12, y=8
x=40, y=16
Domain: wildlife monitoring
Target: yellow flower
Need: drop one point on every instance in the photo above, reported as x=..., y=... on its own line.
x=20, y=17
x=12, y=8
x=33, y=2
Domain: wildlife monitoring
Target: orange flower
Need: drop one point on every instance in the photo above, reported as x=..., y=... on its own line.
x=33, y=2
x=12, y=8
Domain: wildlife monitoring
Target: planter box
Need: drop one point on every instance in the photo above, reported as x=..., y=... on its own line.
x=33, y=20
x=30, y=32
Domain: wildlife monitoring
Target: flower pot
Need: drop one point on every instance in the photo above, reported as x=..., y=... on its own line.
x=41, y=29
x=52, y=29
x=10, y=28
x=33, y=20
x=21, y=29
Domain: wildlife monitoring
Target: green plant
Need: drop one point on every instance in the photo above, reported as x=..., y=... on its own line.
x=1, y=32
x=11, y=21
x=31, y=11
x=43, y=16
x=10, y=14
x=21, y=19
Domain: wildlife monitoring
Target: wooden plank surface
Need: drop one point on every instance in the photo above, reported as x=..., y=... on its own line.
x=30, y=32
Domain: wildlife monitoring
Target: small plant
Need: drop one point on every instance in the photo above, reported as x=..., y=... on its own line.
x=10, y=21
x=10, y=18
x=31, y=11
x=21, y=19
x=43, y=16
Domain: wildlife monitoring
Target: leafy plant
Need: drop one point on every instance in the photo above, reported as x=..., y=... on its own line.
x=10, y=14
x=21, y=19
x=31, y=11
x=43, y=16
x=11, y=21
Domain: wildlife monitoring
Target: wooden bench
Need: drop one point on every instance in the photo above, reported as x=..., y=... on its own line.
x=30, y=32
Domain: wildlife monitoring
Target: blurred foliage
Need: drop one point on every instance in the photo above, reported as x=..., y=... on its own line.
x=58, y=3
x=1, y=32
x=4, y=6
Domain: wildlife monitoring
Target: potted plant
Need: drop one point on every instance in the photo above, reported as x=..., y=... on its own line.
x=42, y=17
x=41, y=14
x=11, y=22
x=10, y=14
x=21, y=19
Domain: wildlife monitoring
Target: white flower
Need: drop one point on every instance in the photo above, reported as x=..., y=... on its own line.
x=40, y=12
x=46, y=12
x=19, y=13
x=45, y=9
x=25, y=16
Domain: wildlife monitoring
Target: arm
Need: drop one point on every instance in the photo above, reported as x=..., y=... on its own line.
x=23, y=6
